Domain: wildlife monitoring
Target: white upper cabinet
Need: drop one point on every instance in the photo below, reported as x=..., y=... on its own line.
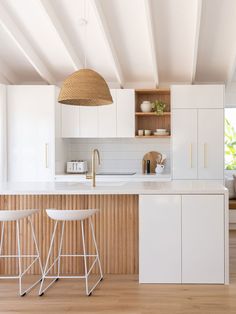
x=197, y=96
x=107, y=118
x=3, y=146
x=115, y=120
x=184, y=143
x=198, y=132
x=70, y=121
x=125, y=113
x=211, y=144
x=88, y=121
x=31, y=133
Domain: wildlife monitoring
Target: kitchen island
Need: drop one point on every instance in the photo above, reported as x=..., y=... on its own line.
x=168, y=232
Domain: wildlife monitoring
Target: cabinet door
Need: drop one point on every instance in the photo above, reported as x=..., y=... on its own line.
x=160, y=239
x=70, y=121
x=88, y=121
x=211, y=144
x=197, y=96
x=3, y=146
x=107, y=118
x=31, y=133
x=125, y=113
x=203, y=239
x=184, y=143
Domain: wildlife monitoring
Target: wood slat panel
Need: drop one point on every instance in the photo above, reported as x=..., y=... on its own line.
x=116, y=229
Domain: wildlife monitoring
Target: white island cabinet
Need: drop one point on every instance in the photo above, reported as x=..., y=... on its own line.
x=160, y=239
x=182, y=239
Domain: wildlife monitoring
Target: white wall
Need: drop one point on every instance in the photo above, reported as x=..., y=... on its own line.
x=230, y=96
x=124, y=154
x=3, y=147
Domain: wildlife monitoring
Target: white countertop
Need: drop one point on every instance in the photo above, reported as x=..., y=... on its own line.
x=171, y=187
x=137, y=177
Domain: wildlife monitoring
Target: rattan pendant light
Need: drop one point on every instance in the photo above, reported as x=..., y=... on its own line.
x=85, y=87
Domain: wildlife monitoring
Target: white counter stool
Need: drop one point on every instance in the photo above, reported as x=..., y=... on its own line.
x=71, y=215
x=16, y=216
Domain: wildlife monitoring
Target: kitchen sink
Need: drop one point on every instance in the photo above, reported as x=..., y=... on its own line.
x=105, y=184
x=115, y=173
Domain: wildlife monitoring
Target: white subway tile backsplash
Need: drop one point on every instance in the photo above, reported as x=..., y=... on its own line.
x=118, y=154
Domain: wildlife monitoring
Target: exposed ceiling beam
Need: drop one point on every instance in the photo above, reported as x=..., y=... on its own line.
x=25, y=47
x=149, y=19
x=108, y=40
x=75, y=59
x=196, y=39
x=7, y=74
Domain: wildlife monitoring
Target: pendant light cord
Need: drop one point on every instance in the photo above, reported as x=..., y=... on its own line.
x=85, y=32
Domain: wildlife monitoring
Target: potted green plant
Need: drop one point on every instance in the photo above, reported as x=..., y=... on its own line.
x=158, y=106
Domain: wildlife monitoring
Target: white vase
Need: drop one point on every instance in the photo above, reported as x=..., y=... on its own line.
x=159, y=168
x=146, y=106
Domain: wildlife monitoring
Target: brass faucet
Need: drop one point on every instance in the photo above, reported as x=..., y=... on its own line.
x=93, y=174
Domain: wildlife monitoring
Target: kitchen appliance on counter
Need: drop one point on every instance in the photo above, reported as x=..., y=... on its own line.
x=77, y=166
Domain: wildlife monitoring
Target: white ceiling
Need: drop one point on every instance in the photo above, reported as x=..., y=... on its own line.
x=132, y=43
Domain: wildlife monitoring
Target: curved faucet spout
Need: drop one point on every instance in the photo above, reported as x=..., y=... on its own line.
x=93, y=175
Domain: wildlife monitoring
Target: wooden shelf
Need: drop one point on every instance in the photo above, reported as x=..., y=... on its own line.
x=151, y=120
x=153, y=136
x=161, y=91
x=152, y=114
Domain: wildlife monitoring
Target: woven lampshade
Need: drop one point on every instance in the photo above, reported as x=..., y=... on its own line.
x=85, y=88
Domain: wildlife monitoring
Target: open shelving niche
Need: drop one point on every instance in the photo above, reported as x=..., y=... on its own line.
x=150, y=120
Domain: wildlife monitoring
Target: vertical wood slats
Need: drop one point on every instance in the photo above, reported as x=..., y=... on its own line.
x=116, y=230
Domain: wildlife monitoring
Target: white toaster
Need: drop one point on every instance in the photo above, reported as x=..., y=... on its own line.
x=76, y=166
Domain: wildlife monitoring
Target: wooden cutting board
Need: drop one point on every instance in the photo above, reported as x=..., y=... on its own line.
x=154, y=157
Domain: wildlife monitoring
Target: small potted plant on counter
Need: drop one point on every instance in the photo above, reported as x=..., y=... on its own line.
x=158, y=106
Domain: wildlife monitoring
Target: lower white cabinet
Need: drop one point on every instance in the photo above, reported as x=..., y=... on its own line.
x=203, y=239
x=181, y=239
x=160, y=239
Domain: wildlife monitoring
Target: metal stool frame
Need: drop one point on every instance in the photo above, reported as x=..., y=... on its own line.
x=84, y=255
x=20, y=256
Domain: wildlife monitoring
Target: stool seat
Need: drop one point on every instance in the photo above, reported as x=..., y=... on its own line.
x=70, y=215
x=13, y=215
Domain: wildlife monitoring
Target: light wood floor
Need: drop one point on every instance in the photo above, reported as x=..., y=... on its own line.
x=122, y=294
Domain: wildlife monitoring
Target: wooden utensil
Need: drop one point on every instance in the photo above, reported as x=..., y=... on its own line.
x=154, y=157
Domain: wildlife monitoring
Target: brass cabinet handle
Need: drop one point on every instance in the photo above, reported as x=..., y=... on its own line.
x=191, y=155
x=205, y=154
x=46, y=155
